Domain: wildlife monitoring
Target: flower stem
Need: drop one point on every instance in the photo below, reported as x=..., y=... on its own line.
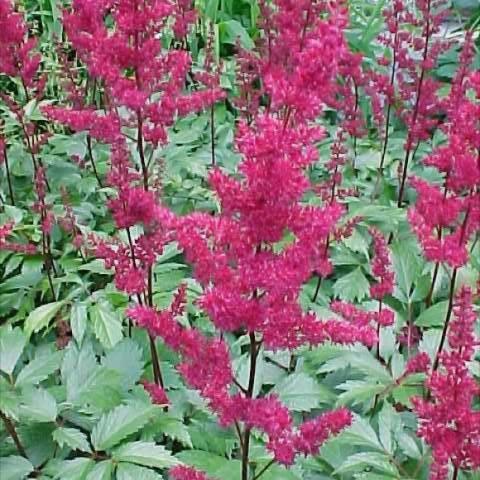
x=264, y=469
x=254, y=349
x=92, y=160
x=447, y=319
x=10, y=428
x=9, y=178
x=212, y=133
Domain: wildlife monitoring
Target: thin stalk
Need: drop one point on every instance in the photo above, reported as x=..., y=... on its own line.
x=455, y=473
x=452, y=292
x=92, y=160
x=264, y=469
x=355, y=138
x=212, y=133
x=10, y=428
x=380, y=305
x=447, y=319
x=415, y=110
x=141, y=150
x=254, y=349
x=9, y=178
x=428, y=300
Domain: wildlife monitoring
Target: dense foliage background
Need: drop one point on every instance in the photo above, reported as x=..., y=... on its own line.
x=98, y=229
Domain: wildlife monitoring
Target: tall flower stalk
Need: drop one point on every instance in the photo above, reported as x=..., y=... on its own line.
x=144, y=91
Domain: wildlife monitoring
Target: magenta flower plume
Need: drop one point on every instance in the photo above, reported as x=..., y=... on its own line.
x=447, y=420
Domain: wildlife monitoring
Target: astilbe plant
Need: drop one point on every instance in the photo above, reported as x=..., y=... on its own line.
x=447, y=420
x=444, y=218
x=412, y=46
x=254, y=256
x=143, y=91
x=20, y=60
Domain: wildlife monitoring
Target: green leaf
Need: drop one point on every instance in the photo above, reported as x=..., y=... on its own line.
x=14, y=467
x=86, y=381
x=73, y=438
x=12, y=343
x=106, y=325
x=147, y=454
x=103, y=471
x=358, y=358
x=302, y=393
x=41, y=317
x=408, y=445
x=433, y=316
x=76, y=469
x=360, y=461
x=407, y=264
x=39, y=369
x=174, y=429
x=362, y=434
x=127, y=471
x=78, y=321
x=351, y=287
x=126, y=359
x=389, y=423
x=38, y=405
x=232, y=31
x=213, y=465
x=9, y=399
x=358, y=391
x=122, y=421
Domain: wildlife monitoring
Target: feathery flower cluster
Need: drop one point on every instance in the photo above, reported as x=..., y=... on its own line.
x=381, y=267
x=129, y=62
x=254, y=257
x=5, y=231
x=17, y=57
x=414, y=50
x=444, y=219
x=182, y=472
x=447, y=420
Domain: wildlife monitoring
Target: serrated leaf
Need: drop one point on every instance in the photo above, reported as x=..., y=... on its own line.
x=433, y=316
x=9, y=399
x=12, y=343
x=358, y=358
x=39, y=369
x=360, y=461
x=361, y=433
x=14, y=467
x=86, y=381
x=174, y=429
x=358, y=391
x=73, y=438
x=126, y=359
x=408, y=445
x=302, y=393
x=352, y=287
x=127, y=471
x=103, y=471
x=430, y=342
x=147, y=454
x=389, y=423
x=38, y=405
x=122, y=421
x=407, y=266
x=76, y=469
x=41, y=317
x=78, y=321
x=106, y=325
